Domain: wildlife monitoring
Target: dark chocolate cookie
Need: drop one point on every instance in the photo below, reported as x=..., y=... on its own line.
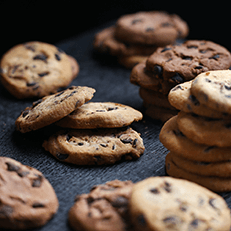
x=104, y=208
x=179, y=63
x=151, y=28
x=36, y=69
x=27, y=200
x=52, y=108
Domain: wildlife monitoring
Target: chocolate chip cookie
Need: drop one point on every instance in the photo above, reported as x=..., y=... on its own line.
x=165, y=203
x=36, y=69
x=204, y=130
x=95, y=147
x=52, y=108
x=153, y=28
x=182, y=99
x=100, y=115
x=213, y=89
x=27, y=200
x=104, y=208
x=217, y=184
x=179, y=63
x=175, y=141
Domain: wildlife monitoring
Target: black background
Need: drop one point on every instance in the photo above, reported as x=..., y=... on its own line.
x=52, y=21
x=71, y=26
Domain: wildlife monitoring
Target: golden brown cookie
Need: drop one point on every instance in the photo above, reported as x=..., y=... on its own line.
x=36, y=69
x=27, y=200
x=52, y=108
x=95, y=147
x=100, y=115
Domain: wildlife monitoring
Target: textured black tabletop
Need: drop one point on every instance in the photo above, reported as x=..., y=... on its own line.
x=111, y=82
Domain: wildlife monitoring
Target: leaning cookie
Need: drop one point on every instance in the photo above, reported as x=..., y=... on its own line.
x=100, y=115
x=104, y=208
x=36, y=69
x=52, y=108
x=27, y=200
x=165, y=203
x=95, y=147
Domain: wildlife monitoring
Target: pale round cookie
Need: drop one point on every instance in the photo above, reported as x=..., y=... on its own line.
x=204, y=130
x=216, y=184
x=219, y=169
x=104, y=208
x=95, y=147
x=182, y=99
x=152, y=28
x=27, y=200
x=52, y=108
x=166, y=203
x=213, y=89
x=175, y=141
x=100, y=115
x=35, y=69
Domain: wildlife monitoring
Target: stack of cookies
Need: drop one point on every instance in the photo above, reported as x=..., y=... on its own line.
x=36, y=69
x=96, y=133
x=136, y=36
x=198, y=138
x=172, y=65
x=153, y=204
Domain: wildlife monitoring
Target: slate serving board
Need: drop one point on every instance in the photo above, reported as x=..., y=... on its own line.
x=111, y=82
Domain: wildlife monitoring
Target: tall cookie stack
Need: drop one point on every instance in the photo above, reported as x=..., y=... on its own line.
x=172, y=65
x=199, y=136
x=136, y=36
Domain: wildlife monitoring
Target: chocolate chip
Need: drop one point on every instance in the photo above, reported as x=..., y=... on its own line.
x=62, y=156
x=211, y=202
x=25, y=113
x=31, y=84
x=12, y=167
x=167, y=187
x=187, y=58
x=5, y=211
x=113, y=147
x=177, y=78
x=141, y=220
x=37, y=182
x=215, y=57
x=23, y=173
x=80, y=144
x=112, y=108
x=43, y=74
x=36, y=103
x=100, y=110
x=227, y=87
x=149, y=29
x=177, y=87
x=166, y=49
x=166, y=24
x=198, y=67
x=57, y=56
x=158, y=70
x=228, y=125
x=135, y=21
x=68, y=137
x=58, y=94
x=41, y=57
x=38, y=205
x=171, y=220
x=178, y=133
x=134, y=142
x=127, y=140
x=103, y=145
x=192, y=47
x=194, y=100
x=195, y=223
x=154, y=191
x=120, y=202
x=29, y=47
